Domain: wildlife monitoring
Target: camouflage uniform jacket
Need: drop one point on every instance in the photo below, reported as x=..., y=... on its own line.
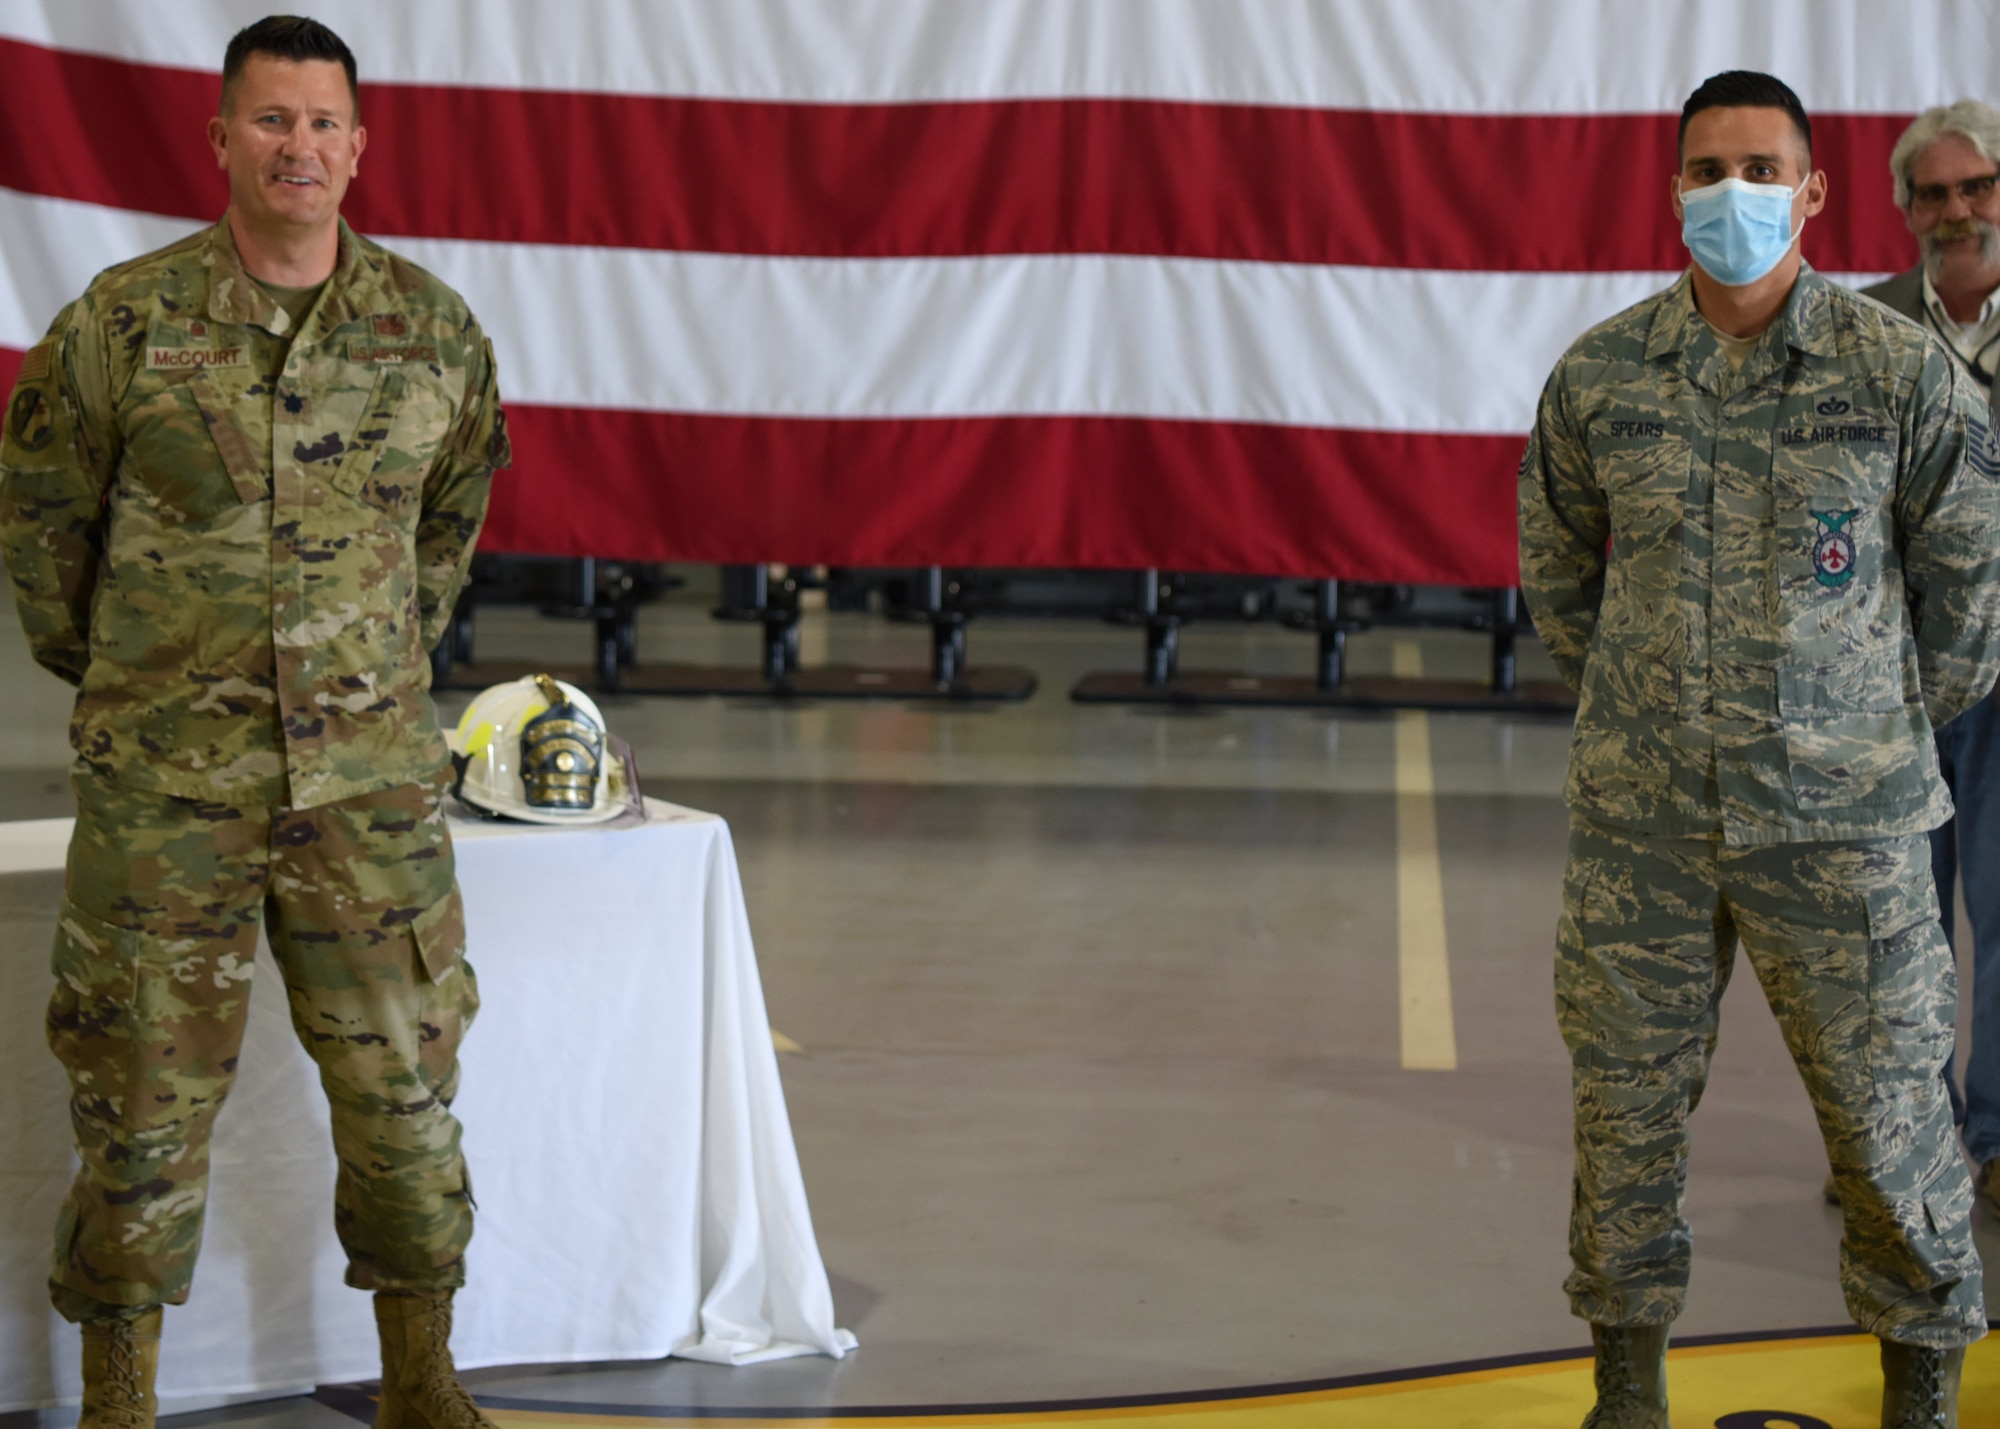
x=240, y=542
x=1766, y=586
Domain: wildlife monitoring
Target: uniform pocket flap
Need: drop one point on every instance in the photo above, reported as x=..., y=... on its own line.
x=1947, y=1202
x=244, y=455
x=1881, y=761
x=1895, y=909
x=369, y=442
x=440, y=935
x=93, y=958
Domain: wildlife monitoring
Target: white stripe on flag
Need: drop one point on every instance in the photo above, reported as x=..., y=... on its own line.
x=1298, y=345
x=55, y=247
x=1063, y=335
x=1058, y=335
x=1447, y=56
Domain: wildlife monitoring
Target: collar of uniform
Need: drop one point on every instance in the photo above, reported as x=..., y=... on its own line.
x=235, y=297
x=1671, y=331
x=1680, y=330
x=359, y=286
x=1808, y=317
x=1804, y=319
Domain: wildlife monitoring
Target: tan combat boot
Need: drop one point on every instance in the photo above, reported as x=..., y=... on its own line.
x=119, y=1360
x=1631, y=1377
x=420, y=1389
x=1920, y=1386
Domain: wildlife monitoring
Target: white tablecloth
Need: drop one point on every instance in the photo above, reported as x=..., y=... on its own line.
x=639, y=1193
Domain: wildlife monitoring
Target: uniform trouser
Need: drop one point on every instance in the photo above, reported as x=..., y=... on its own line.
x=153, y=957
x=1969, y=758
x=1845, y=942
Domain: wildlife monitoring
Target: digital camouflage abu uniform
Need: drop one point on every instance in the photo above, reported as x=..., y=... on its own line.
x=239, y=538
x=1766, y=587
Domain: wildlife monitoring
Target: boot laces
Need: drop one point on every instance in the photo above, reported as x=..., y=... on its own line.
x=123, y=1407
x=1617, y=1375
x=440, y=1380
x=1927, y=1389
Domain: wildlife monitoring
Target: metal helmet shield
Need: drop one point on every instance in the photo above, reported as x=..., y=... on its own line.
x=537, y=749
x=562, y=752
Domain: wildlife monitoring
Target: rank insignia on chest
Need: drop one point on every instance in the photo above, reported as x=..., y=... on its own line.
x=392, y=325
x=1833, y=548
x=1982, y=448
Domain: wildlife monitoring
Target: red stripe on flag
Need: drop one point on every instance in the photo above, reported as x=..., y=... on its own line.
x=1527, y=193
x=1118, y=493
x=1010, y=491
x=107, y=132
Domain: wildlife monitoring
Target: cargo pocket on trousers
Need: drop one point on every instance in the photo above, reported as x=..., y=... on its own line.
x=440, y=936
x=451, y=992
x=91, y=1019
x=1912, y=986
x=1937, y=1224
x=1573, y=998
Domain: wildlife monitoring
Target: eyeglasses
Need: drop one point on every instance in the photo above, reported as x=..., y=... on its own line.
x=1973, y=191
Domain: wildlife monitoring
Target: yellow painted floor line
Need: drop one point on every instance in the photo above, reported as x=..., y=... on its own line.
x=783, y=1043
x=1816, y=1382
x=1423, y=961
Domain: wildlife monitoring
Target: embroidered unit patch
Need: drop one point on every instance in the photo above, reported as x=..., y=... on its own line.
x=1833, y=548
x=30, y=420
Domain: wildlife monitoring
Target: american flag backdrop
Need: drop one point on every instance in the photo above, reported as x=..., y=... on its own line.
x=1265, y=286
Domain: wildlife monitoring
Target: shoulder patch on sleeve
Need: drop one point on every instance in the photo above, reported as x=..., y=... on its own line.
x=30, y=419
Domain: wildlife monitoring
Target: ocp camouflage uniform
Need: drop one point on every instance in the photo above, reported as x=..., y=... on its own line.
x=239, y=541
x=1765, y=586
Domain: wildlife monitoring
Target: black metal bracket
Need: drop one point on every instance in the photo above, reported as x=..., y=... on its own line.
x=1153, y=610
x=1330, y=628
x=752, y=595
x=1331, y=618
x=937, y=605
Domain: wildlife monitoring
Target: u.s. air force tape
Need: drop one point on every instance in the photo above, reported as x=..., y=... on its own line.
x=361, y=351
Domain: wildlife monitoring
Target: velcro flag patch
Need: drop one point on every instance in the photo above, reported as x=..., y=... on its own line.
x=36, y=365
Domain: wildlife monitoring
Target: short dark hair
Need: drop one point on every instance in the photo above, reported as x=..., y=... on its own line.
x=1746, y=89
x=286, y=37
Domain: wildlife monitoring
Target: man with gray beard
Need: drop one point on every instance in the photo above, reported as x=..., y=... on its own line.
x=1947, y=172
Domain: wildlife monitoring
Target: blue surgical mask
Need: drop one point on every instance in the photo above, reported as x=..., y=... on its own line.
x=1738, y=231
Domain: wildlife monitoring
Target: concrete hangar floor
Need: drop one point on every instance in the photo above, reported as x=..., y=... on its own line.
x=1139, y=1074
